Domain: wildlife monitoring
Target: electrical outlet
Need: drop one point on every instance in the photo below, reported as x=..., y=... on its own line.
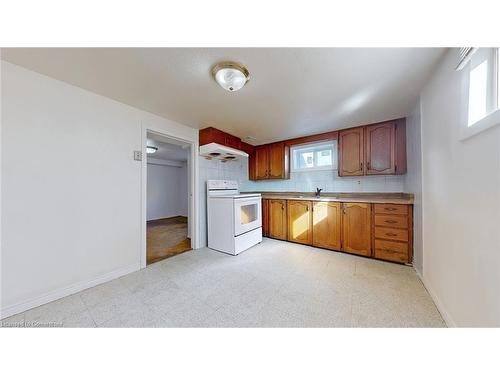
x=138, y=155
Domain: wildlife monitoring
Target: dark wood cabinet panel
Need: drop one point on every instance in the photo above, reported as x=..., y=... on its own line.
x=261, y=161
x=400, y=167
x=356, y=228
x=269, y=162
x=351, y=152
x=248, y=148
x=326, y=225
x=393, y=232
x=213, y=135
x=381, y=149
x=378, y=149
x=299, y=221
x=232, y=141
x=391, y=250
x=392, y=221
x=393, y=209
x=278, y=160
x=265, y=217
x=277, y=219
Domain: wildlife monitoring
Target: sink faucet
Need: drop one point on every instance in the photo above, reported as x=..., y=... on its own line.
x=318, y=192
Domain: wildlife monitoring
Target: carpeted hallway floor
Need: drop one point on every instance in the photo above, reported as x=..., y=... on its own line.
x=166, y=237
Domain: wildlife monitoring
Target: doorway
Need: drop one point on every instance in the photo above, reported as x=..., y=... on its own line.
x=167, y=197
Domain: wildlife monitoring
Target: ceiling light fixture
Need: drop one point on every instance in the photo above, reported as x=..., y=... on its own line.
x=151, y=149
x=231, y=76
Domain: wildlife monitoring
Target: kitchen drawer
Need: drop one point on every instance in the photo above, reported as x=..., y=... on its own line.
x=391, y=255
x=391, y=234
x=393, y=251
x=392, y=221
x=393, y=209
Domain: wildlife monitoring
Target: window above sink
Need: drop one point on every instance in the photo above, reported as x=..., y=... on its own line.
x=314, y=156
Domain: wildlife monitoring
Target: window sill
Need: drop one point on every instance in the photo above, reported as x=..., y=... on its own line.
x=487, y=122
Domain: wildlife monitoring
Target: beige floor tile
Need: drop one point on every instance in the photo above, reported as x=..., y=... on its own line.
x=274, y=284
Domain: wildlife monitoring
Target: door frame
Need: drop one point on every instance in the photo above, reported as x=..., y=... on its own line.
x=193, y=194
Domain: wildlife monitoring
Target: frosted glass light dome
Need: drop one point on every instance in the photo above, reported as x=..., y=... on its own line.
x=230, y=76
x=151, y=149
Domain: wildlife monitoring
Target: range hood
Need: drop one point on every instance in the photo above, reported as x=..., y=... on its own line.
x=220, y=152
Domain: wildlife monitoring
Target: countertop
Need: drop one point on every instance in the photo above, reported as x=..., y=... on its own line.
x=392, y=198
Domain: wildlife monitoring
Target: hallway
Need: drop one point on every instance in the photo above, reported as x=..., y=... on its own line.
x=166, y=237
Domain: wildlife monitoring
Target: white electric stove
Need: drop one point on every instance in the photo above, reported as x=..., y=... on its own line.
x=234, y=219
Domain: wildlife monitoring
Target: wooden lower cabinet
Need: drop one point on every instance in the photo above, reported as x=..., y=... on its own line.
x=299, y=221
x=265, y=217
x=326, y=225
x=356, y=228
x=393, y=232
x=382, y=231
x=277, y=219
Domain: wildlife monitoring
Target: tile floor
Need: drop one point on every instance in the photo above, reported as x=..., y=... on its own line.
x=274, y=284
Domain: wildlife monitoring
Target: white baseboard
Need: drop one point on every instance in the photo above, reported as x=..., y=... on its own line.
x=442, y=310
x=66, y=291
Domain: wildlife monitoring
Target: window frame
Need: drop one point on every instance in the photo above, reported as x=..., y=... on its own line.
x=312, y=145
x=492, y=118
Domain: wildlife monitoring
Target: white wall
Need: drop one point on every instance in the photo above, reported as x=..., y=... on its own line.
x=183, y=190
x=71, y=213
x=167, y=191
x=413, y=180
x=461, y=206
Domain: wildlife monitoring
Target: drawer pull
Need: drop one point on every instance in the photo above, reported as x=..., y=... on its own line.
x=390, y=209
x=391, y=234
x=391, y=221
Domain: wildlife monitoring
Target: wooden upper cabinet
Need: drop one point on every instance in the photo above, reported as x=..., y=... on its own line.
x=270, y=161
x=381, y=149
x=300, y=221
x=373, y=149
x=261, y=162
x=232, y=141
x=351, y=152
x=213, y=135
x=356, y=228
x=400, y=149
x=278, y=160
x=326, y=224
x=277, y=219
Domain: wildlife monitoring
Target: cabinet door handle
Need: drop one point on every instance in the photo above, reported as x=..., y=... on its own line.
x=282, y=206
x=307, y=208
x=368, y=165
x=361, y=165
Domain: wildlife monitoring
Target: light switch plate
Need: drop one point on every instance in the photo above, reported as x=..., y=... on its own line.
x=138, y=155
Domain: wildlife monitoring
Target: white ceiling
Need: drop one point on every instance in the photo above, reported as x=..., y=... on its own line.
x=167, y=151
x=291, y=92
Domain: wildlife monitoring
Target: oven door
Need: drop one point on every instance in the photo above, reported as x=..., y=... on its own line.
x=247, y=214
